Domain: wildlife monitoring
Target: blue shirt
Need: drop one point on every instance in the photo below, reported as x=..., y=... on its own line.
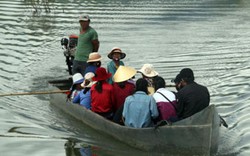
x=90, y=68
x=83, y=99
x=139, y=109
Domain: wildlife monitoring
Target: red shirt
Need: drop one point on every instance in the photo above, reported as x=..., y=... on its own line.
x=120, y=94
x=102, y=102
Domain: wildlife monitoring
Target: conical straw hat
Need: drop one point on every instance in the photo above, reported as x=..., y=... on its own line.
x=123, y=73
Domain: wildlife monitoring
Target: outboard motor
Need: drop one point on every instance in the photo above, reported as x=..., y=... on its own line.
x=69, y=47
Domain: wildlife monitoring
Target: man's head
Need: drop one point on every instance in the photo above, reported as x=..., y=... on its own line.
x=84, y=18
x=187, y=75
x=84, y=21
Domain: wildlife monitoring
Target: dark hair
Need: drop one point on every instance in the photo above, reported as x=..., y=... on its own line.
x=177, y=79
x=86, y=90
x=187, y=75
x=97, y=63
x=98, y=86
x=158, y=82
x=142, y=85
x=121, y=84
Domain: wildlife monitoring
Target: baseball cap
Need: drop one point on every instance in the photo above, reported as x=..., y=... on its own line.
x=84, y=18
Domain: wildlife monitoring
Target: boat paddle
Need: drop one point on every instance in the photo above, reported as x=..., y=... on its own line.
x=46, y=92
x=35, y=93
x=170, y=85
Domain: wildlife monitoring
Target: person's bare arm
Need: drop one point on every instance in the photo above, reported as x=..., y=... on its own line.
x=95, y=45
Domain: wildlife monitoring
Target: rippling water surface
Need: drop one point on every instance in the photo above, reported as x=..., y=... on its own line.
x=209, y=36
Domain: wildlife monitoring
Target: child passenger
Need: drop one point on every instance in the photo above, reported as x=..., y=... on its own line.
x=84, y=96
x=115, y=55
x=75, y=89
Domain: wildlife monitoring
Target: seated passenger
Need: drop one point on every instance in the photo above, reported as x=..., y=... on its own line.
x=123, y=87
x=116, y=55
x=76, y=86
x=148, y=73
x=84, y=96
x=94, y=62
x=177, y=81
x=192, y=97
x=165, y=100
x=102, y=94
x=140, y=109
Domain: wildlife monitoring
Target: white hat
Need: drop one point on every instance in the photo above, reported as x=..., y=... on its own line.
x=148, y=70
x=124, y=73
x=84, y=18
x=88, y=82
x=77, y=78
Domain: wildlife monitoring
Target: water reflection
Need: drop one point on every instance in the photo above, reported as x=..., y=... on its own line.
x=209, y=36
x=73, y=148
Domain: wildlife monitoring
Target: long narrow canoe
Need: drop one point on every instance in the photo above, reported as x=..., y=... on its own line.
x=196, y=135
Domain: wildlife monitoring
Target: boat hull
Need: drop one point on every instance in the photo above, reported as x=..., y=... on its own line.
x=196, y=135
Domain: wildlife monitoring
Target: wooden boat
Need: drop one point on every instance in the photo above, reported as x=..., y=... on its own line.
x=196, y=135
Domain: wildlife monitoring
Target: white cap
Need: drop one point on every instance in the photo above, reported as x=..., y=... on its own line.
x=84, y=18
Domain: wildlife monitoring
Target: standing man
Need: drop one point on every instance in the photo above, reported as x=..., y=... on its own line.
x=192, y=97
x=87, y=43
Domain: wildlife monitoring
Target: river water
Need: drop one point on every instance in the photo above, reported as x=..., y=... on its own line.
x=210, y=36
